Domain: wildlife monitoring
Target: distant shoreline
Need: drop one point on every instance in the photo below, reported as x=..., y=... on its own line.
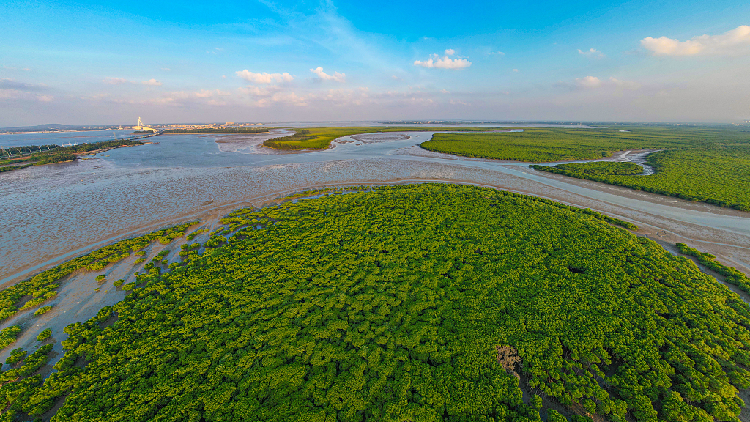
x=58, y=131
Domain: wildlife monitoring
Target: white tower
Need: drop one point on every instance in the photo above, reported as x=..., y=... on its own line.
x=140, y=123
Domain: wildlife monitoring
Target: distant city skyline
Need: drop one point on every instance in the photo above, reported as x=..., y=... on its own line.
x=85, y=63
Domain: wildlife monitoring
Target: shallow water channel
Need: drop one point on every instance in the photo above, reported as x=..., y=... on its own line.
x=55, y=212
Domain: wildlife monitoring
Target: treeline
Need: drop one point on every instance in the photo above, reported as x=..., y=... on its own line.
x=719, y=175
x=77, y=149
x=220, y=130
x=26, y=150
x=410, y=303
x=58, y=154
x=11, y=168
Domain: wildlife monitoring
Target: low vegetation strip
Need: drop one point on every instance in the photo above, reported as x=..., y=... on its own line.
x=43, y=286
x=719, y=175
x=321, y=137
x=597, y=168
x=731, y=275
x=220, y=130
x=49, y=154
x=410, y=303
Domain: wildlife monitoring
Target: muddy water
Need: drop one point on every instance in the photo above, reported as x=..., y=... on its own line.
x=52, y=213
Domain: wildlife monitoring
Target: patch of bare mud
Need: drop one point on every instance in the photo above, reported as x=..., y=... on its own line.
x=252, y=143
x=371, y=138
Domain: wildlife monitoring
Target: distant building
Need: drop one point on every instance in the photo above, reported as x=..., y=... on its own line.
x=141, y=128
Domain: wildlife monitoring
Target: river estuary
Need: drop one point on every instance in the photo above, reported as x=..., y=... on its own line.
x=55, y=212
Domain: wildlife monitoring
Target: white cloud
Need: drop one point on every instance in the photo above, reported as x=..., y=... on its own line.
x=592, y=52
x=624, y=84
x=184, y=98
x=589, y=82
x=6, y=83
x=443, y=63
x=166, y=69
x=264, y=78
x=734, y=42
x=266, y=96
x=499, y=53
x=12, y=94
x=515, y=70
x=26, y=69
x=115, y=81
x=204, y=93
x=338, y=77
x=289, y=98
x=14, y=90
x=122, y=81
x=450, y=52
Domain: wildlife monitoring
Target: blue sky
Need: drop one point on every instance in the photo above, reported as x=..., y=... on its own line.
x=110, y=62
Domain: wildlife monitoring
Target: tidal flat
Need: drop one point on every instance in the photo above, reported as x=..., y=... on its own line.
x=56, y=211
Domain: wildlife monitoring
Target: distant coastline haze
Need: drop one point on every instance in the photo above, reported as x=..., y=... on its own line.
x=86, y=63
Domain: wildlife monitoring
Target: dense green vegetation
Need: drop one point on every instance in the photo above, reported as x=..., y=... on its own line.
x=44, y=335
x=321, y=137
x=718, y=175
x=8, y=335
x=43, y=310
x=221, y=130
x=560, y=144
x=709, y=164
x=597, y=168
x=731, y=275
x=21, y=382
x=11, y=168
x=48, y=154
x=43, y=286
x=410, y=303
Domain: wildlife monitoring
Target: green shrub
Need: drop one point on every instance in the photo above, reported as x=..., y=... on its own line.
x=44, y=335
x=43, y=310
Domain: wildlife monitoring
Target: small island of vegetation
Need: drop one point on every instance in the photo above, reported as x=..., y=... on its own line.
x=321, y=137
x=16, y=158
